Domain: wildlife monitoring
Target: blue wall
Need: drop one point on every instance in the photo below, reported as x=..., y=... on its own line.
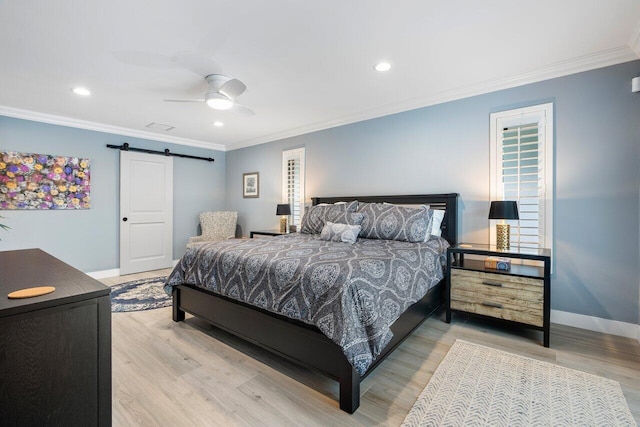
x=89, y=239
x=445, y=148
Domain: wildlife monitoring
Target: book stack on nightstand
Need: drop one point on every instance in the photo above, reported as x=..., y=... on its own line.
x=511, y=285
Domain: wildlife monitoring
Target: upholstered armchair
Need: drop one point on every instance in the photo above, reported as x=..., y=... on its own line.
x=220, y=225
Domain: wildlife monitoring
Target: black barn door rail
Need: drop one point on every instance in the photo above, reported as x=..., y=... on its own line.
x=166, y=152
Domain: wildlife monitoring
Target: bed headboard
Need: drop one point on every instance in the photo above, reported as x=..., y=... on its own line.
x=447, y=202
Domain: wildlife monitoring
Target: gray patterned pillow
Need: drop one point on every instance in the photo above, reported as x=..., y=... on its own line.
x=346, y=233
x=391, y=222
x=315, y=217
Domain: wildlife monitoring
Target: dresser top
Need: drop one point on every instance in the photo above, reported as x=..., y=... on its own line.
x=31, y=268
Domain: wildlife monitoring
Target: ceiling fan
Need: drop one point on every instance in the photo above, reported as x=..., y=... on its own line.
x=221, y=94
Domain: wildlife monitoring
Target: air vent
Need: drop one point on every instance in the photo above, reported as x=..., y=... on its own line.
x=160, y=127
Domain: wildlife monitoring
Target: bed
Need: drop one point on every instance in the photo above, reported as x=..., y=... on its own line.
x=301, y=336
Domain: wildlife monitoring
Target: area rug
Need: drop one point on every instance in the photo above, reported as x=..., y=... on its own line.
x=480, y=386
x=142, y=294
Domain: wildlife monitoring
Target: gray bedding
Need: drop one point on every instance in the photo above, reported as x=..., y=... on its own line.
x=351, y=292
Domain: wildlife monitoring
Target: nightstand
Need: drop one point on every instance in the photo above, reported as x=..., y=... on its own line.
x=519, y=295
x=274, y=232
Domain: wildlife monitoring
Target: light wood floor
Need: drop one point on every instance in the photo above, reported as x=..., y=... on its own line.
x=190, y=373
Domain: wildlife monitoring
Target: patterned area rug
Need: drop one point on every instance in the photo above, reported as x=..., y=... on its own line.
x=479, y=386
x=143, y=294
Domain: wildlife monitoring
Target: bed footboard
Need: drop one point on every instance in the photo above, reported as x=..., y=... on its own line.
x=295, y=341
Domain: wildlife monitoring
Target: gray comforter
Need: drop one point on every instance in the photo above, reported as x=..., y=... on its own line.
x=351, y=292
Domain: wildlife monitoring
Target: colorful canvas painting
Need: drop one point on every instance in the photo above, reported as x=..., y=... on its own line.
x=41, y=181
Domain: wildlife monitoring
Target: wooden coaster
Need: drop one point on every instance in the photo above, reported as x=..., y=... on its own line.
x=31, y=292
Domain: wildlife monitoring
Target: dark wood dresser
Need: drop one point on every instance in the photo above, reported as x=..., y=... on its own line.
x=55, y=349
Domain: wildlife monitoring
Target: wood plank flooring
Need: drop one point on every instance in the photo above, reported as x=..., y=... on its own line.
x=190, y=373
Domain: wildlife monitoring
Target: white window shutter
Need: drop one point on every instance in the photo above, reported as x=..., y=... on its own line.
x=521, y=153
x=293, y=183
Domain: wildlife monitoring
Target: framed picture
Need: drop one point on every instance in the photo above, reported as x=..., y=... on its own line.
x=44, y=181
x=251, y=185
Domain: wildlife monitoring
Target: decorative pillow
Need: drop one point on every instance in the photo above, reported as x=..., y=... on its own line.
x=391, y=222
x=316, y=216
x=346, y=233
x=438, y=217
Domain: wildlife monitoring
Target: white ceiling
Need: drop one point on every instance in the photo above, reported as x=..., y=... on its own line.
x=307, y=65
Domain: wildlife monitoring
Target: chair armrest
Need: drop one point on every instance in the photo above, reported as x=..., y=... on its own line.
x=217, y=238
x=196, y=239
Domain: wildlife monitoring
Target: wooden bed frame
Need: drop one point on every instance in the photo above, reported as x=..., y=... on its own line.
x=302, y=343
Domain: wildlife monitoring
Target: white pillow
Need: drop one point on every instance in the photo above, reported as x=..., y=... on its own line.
x=438, y=216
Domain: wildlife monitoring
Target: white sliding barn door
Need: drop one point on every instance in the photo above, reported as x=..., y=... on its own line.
x=146, y=212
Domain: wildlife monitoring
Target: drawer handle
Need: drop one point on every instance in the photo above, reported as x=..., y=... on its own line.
x=492, y=304
x=490, y=283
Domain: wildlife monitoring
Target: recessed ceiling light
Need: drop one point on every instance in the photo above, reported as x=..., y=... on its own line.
x=81, y=91
x=218, y=124
x=382, y=66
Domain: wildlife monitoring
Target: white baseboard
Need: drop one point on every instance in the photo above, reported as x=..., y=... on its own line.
x=114, y=272
x=597, y=324
x=104, y=273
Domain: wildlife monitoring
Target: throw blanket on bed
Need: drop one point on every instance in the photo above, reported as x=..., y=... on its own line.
x=351, y=292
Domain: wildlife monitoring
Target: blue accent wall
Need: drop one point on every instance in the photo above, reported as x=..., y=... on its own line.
x=445, y=148
x=89, y=239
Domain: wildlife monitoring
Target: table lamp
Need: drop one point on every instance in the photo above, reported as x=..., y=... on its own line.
x=283, y=210
x=503, y=209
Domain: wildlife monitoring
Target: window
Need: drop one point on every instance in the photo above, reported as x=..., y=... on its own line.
x=522, y=170
x=293, y=183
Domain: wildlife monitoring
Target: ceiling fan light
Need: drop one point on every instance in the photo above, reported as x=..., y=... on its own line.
x=382, y=66
x=81, y=91
x=217, y=101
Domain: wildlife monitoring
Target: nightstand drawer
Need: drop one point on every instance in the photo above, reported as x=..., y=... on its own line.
x=479, y=282
x=530, y=316
x=506, y=297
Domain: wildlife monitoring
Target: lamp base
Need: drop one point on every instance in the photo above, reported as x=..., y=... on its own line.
x=283, y=224
x=503, y=232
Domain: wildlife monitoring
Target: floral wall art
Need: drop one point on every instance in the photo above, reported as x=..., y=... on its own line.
x=41, y=181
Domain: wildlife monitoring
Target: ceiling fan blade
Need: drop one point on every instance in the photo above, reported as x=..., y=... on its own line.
x=243, y=110
x=197, y=62
x=233, y=88
x=144, y=59
x=184, y=100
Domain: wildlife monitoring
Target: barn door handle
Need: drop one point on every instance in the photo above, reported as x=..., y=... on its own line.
x=125, y=219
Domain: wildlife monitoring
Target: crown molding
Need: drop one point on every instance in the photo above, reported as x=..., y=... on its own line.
x=101, y=127
x=578, y=64
x=634, y=41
